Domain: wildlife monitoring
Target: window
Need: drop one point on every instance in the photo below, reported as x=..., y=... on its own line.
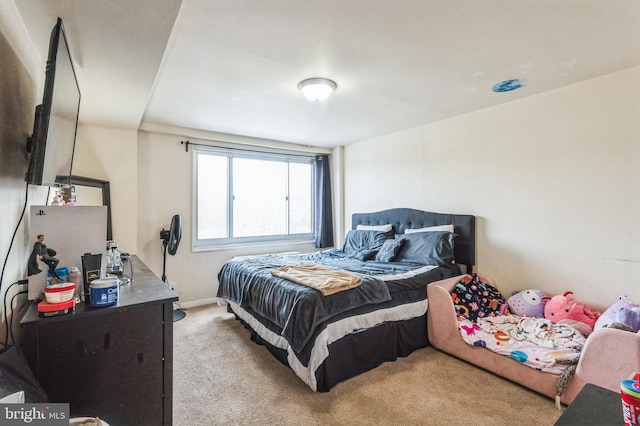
x=248, y=197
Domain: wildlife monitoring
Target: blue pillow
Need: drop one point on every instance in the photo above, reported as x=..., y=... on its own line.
x=364, y=255
x=358, y=240
x=389, y=250
x=427, y=248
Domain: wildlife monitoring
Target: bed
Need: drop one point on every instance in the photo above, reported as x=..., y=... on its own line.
x=328, y=339
x=608, y=355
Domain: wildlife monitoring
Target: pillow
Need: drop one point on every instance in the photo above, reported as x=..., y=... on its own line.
x=364, y=255
x=16, y=376
x=389, y=250
x=448, y=228
x=14, y=398
x=382, y=228
x=427, y=248
x=358, y=240
x=474, y=299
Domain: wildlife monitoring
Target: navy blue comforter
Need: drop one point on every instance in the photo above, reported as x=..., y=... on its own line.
x=297, y=310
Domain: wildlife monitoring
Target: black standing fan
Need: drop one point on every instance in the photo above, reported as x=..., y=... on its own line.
x=170, y=242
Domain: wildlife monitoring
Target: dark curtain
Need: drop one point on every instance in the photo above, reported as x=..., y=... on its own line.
x=323, y=216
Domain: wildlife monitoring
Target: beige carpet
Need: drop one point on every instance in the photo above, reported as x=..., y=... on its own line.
x=221, y=377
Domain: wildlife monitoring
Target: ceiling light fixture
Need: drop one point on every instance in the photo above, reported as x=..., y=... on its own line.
x=317, y=89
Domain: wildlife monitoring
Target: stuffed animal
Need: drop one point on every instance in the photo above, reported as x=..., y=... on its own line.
x=527, y=303
x=622, y=311
x=565, y=307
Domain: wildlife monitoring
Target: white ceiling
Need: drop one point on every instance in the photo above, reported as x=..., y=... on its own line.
x=233, y=66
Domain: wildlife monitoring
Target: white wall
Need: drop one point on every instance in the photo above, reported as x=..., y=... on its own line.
x=102, y=153
x=553, y=179
x=18, y=94
x=165, y=189
x=111, y=154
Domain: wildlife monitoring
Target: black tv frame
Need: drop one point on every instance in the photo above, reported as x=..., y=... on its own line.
x=42, y=153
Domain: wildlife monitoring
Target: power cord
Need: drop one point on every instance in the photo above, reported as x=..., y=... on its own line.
x=6, y=259
x=176, y=304
x=11, y=322
x=8, y=330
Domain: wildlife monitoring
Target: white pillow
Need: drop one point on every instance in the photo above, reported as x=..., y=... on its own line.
x=383, y=228
x=448, y=228
x=14, y=398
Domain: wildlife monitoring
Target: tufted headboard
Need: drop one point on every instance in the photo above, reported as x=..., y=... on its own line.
x=464, y=226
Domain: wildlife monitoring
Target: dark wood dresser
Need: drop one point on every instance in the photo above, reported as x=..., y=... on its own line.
x=594, y=405
x=114, y=362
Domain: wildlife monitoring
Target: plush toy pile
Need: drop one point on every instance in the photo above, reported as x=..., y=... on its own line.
x=474, y=299
x=546, y=333
x=565, y=309
x=515, y=328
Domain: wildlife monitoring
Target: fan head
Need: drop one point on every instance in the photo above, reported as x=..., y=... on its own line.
x=172, y=237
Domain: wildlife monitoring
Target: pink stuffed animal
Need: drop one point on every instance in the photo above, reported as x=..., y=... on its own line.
x=565, y=307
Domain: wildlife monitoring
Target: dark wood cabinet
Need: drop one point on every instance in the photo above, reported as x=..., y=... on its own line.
x=115, y=362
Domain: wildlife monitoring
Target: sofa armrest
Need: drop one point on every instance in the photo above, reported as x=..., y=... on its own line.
x=608, y=356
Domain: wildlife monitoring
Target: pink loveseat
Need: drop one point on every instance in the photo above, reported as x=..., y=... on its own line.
x=608, y=356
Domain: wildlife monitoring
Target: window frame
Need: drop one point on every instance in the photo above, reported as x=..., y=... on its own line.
x=229, y=242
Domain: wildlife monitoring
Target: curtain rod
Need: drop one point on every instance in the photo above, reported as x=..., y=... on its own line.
x=187, y=143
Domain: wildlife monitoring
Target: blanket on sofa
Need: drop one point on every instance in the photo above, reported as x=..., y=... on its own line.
x=535, y=342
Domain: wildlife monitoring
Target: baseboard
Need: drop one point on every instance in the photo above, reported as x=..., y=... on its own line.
x=201, y=302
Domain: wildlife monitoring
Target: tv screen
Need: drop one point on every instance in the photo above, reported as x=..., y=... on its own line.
x=54, y=129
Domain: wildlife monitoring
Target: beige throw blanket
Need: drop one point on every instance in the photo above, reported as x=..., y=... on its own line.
x=327, y=281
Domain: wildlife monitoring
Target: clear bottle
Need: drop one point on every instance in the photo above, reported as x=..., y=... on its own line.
x=74, y=277
x=110, y=260
x=117, y=261
x=114, y=263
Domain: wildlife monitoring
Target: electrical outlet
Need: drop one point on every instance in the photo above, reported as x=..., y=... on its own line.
x=173, y=285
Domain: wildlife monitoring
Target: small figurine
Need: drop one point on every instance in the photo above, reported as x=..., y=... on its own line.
x=44, y=254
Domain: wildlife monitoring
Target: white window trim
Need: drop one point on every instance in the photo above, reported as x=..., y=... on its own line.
x=214, y=244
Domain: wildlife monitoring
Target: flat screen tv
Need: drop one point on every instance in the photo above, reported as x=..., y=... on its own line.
x=52, y=144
